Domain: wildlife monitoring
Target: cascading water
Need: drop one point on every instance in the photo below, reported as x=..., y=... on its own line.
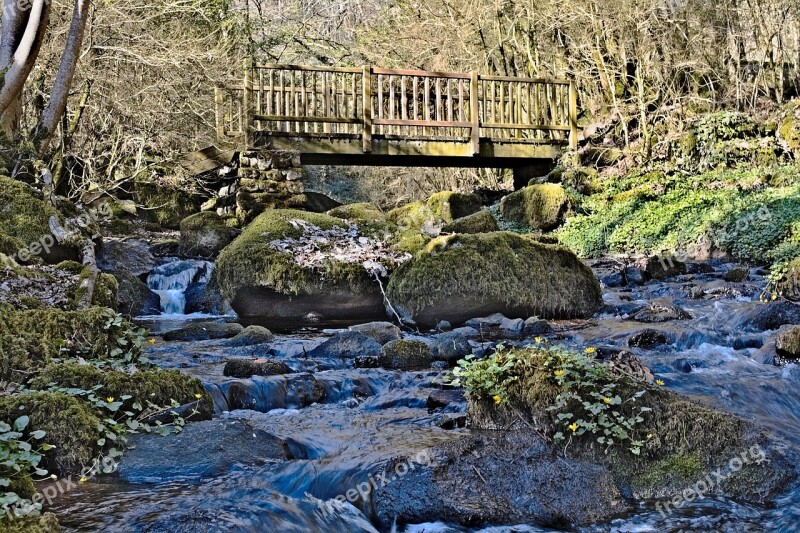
x=170, y=281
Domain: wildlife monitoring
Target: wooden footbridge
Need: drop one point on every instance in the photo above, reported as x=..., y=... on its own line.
x=388, y=117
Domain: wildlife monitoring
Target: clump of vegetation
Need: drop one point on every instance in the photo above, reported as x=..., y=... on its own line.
x=540, y=206
x=359, y=212
x=735, y=211
x=585, y=397
x=19, y=459
x=24, y=218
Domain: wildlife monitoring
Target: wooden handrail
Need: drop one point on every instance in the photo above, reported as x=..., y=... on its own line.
x=370, y=101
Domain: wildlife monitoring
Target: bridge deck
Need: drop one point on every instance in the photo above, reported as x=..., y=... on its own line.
x=374, y=116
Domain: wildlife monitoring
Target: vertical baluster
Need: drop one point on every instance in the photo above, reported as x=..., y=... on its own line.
x=427, y=103
x=304, y=100
x=270, y=93
x=295, y=126
x=403, y=98
x=449, y=103
x=391, y=104
x=492, y=117
x=461, y=113
x=415, y=84
x=380, y=100
x=354, y=128
x=502, y=107
x=259, y=96
x=438, y=99
x=518, y=107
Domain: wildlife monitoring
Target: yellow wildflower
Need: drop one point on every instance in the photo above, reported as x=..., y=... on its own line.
x=573, y=426
x=497, y=399
x=590, y=350
x=198, y=396
x=649, y=435
x=538, y=340
x=774, y=296
x=110, y=399
x=151, y=340
x=82, y=480
x=607, y=400
x=559, y=373
x=659, y=382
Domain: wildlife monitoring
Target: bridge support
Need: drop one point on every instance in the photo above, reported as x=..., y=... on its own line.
x=524, y=174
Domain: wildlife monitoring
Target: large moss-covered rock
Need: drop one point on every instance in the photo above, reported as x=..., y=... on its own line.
x=540, y=207
x=405, y=354
x=68, y=422
x=480, y=222
x=462, y=276
x=448, y=205
x=204, y=234
x=682, y=441
x=29, y=339
x=263, y=281
x=24, y=224
x=789, y=128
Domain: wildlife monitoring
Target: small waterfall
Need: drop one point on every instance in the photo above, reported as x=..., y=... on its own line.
x=170, y=281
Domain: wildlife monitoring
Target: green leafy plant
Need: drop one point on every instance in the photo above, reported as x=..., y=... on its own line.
x=18, y=460
x=488, y=377
x=591, y=400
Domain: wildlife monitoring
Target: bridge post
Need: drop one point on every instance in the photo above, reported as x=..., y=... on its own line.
x=247, y=102
x=573, y=116
x=366, y=132
x=475, y=112
x=219, y=110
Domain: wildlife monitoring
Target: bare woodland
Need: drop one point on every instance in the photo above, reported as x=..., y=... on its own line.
x=109, y=90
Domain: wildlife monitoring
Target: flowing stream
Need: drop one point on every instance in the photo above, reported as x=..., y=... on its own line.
x=366, y=416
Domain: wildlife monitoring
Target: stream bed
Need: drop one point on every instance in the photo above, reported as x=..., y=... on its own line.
x=281, y=447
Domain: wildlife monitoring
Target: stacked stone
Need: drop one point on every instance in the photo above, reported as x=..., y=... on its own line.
x=264, y=179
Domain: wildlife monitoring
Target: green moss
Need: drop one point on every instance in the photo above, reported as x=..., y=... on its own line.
x=411, y=216
x=249, y=261
x=463, y=273
x=447, y=206
x=682, y=468
x=480, y=222
x=46, y=523
x=541, y=206
x=157, y=386
x=411, y=242
x=23, y=216
x=73, y=267
x=31, y=303
x=105, y=291
x=358, y=212
x=206, y=220
x=29, y=339
x=68, y=423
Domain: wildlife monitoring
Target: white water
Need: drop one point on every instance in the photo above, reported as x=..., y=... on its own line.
x=171, y=280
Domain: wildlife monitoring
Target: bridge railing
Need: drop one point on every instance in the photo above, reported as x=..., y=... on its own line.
x=408, y=104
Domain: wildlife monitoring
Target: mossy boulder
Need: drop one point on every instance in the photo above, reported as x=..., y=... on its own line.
x=24, y=225
x=160, y=387
x=787, y=344
x=250, y=336
x=262, y=281
x=69, y=424
x=480, y=222
x=789, y=284
x=448, y=205
x=415, y=215
x=540, y=207
x=204, y=331
x=583, y=179
x=204, y=234
x=462, y=276
x=405, y=354
x=364, y=212
x=682, y=441
x=30, y=339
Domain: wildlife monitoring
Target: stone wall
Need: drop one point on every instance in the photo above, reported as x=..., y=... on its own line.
x=262, y=179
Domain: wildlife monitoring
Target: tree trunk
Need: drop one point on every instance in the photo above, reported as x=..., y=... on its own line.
x=44, y=130
x=26, y=50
